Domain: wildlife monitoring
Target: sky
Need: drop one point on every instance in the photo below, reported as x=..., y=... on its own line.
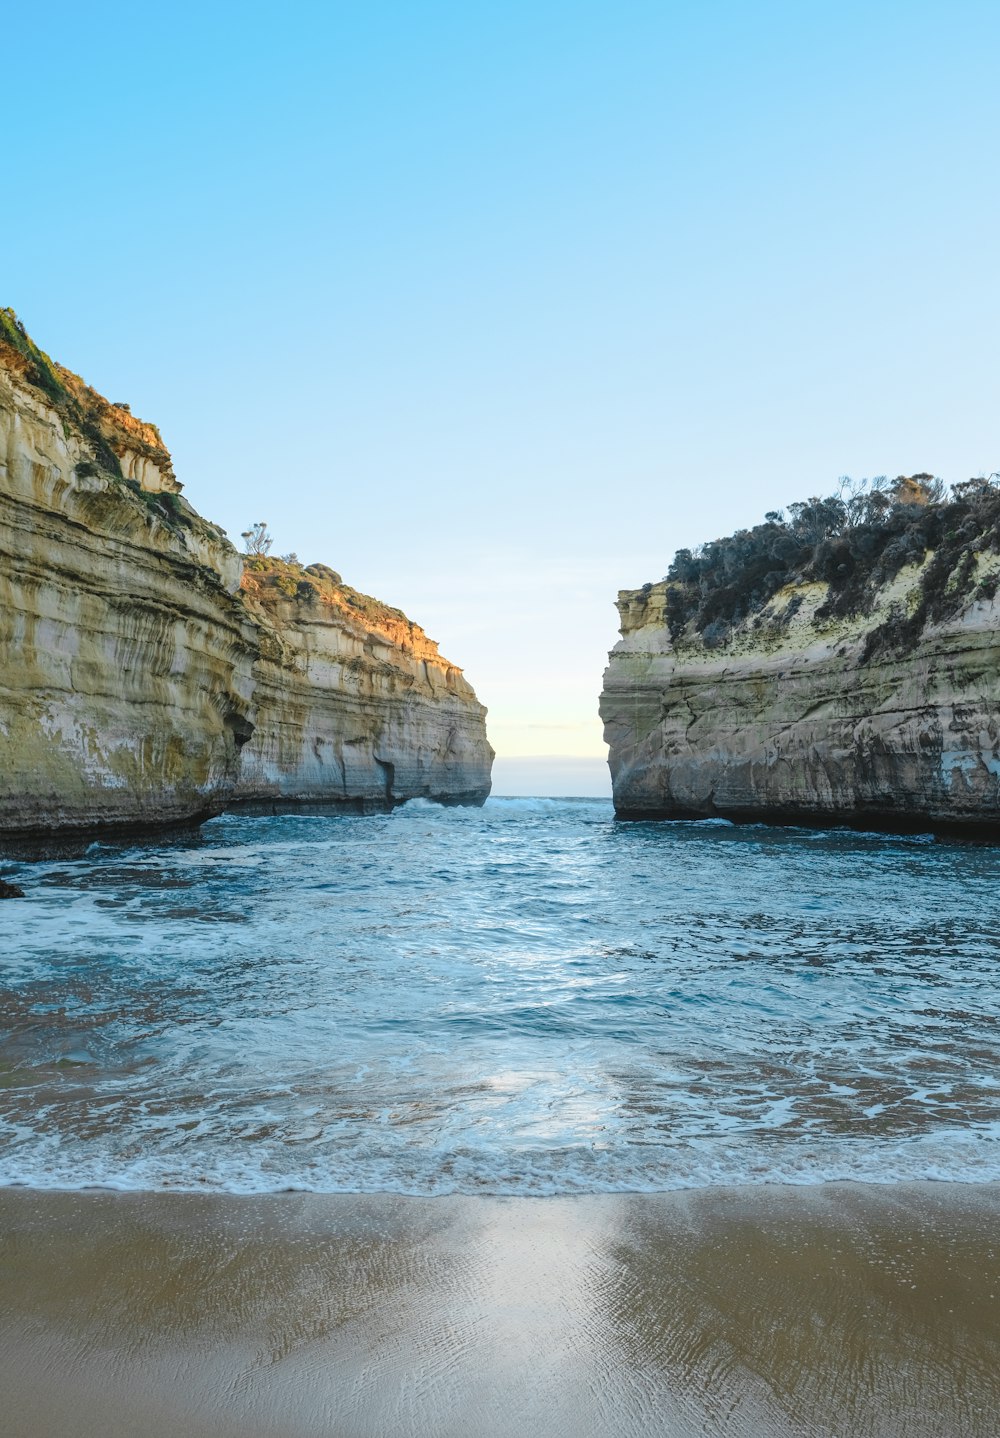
x=492, y=307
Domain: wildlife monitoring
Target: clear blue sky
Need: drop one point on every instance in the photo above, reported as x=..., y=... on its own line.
x=493, y=306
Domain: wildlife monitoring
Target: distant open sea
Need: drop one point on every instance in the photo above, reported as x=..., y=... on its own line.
x=529, y=998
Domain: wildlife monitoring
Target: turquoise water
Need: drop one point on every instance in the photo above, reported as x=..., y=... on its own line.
x=527, y=998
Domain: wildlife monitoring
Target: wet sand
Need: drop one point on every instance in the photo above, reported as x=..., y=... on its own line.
x=843, y=1310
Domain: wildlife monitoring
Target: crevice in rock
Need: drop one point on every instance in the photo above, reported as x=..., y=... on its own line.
x=240, y=727
x=388, y=776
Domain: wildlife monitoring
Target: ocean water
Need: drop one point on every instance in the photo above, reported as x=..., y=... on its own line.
x=527, y=998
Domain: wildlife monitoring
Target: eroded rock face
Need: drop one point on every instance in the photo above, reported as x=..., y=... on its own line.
x=142, y=684
x=797, y=719
x=125, y=653
x=354, y=703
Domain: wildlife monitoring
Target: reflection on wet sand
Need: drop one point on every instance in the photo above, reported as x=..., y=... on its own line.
x=841, y=1310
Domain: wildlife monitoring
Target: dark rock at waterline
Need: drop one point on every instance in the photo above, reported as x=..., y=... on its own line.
x=10, y=891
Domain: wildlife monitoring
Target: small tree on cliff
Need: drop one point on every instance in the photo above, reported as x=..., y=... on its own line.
x=257, y=539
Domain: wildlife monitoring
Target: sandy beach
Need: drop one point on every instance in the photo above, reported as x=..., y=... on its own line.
x=840, y=1310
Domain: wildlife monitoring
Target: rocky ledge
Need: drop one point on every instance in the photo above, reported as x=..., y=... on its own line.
x=150, y=676
x=838, y=665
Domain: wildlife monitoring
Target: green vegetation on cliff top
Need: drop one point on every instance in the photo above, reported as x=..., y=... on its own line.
x=94, y=419
x=40, y=371
x=854, y=541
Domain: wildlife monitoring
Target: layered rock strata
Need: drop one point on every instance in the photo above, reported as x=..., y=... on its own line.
x=352, y=701
x=882, y=718
x=145, y=680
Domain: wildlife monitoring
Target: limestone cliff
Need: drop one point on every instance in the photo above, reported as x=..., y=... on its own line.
x=845, y=670
x=145, y=680
x=352, y=700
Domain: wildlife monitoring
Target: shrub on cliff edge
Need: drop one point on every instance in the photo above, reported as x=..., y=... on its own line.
x=854, y=541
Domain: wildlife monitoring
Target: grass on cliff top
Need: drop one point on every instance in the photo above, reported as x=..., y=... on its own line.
x=82, y=409
x=40, y=371
x=288, y=579
x=79, y=406
x=855, y=542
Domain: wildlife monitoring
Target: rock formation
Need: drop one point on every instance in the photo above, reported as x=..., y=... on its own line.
x=145, y=679
x=840, y=668
x=352, y=701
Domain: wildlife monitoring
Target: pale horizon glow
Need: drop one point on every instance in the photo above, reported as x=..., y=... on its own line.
x=493, y=308
x=550, y=776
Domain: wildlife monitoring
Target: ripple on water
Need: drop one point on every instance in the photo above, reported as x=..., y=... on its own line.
x=524, y=998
